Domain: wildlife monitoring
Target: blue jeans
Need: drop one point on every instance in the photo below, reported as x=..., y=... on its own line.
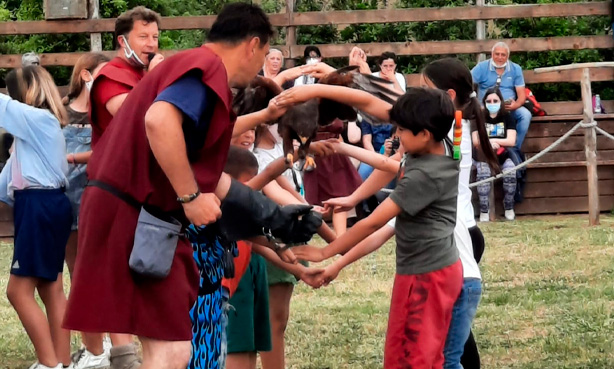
x=78, y=139
x=364, y=170
x=523, y=119
x=460, y=325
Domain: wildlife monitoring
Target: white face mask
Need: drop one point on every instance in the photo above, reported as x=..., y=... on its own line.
x=88, y=84
x=498, y=66
x=130, y=54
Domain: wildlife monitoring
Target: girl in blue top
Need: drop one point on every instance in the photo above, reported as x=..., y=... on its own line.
x=33, y=183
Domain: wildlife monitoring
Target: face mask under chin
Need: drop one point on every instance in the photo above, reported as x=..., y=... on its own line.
x=499, y=66
x=132, y=57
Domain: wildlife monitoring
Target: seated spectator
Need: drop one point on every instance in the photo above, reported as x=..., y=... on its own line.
x=311, y=55
x=273, y=66
x=388, y=70
x=30, y=58
x=501, y=129
x=374, y=136
x=373, y=139
x=499, y=71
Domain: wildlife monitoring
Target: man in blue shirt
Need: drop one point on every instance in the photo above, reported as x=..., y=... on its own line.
x=508, y=75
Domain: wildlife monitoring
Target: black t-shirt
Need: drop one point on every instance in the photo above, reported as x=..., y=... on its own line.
x=76, y=117
x=497, y=127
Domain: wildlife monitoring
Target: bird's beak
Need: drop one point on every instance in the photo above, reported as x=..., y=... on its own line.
x=303, y=139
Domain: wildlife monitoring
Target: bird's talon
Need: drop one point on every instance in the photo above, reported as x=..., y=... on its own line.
x=310, y=164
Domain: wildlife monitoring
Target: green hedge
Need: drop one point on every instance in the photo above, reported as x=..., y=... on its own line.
x=389, y=32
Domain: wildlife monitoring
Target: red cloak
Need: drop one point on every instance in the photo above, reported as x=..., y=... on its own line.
x=105, y=295
x=117, y=77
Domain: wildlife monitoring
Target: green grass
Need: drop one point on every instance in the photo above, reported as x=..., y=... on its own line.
x=548, y=302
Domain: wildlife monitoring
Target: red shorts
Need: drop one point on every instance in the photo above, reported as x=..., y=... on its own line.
x=420, y=314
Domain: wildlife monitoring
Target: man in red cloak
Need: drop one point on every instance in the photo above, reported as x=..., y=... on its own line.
x=166, y=149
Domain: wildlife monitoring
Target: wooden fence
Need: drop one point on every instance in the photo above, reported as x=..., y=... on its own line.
x=565, y=164
x=291, y=20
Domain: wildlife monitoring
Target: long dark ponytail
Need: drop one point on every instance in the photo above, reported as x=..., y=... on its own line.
x=452, y=74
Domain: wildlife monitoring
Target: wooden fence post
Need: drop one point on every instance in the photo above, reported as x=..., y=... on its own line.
x=95, y=38
x=290, y=34
x=480, y=31
x=590, y=149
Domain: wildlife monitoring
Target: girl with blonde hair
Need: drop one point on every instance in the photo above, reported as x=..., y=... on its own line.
x=33, y=183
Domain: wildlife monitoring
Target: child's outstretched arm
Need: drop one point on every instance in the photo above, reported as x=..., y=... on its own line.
x=250, y=121
x=365, y=247
x=361, y=100
x=376, y=181
x=269, y=174
x=361, y=230
x=296, y=269
x=377, y=161
x=286, y=185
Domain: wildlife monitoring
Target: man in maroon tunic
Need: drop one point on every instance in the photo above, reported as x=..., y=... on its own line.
x=168, y=154
x=136, y=37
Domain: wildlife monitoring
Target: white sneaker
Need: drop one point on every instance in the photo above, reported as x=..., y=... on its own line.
x=38, y=365
x=510, y=215
x=484, y=217
x=87, y=360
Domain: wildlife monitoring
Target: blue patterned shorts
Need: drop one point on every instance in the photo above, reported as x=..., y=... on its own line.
x=208, y=314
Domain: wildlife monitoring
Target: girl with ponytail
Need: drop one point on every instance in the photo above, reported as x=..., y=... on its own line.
x=453, y=76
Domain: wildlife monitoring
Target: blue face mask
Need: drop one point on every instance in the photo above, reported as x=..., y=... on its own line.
x=493, y=108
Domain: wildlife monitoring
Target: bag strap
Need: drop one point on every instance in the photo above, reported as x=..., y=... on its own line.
x=115, y=192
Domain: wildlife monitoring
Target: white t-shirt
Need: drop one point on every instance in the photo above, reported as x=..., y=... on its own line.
x=465, y=218
x=304, y=80
x=464, y=205
x=400, y=79
x=267, y=156
x=462, y=238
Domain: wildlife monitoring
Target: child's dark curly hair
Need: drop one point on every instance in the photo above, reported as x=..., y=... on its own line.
x=424, y=109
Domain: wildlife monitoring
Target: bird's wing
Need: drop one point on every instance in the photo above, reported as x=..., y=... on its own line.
x=350, y=77
x=256, y=96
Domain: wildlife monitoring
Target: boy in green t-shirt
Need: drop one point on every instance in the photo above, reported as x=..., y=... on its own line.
x=429, y=273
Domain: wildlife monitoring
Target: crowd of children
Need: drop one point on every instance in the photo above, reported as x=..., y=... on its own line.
x=437, y=286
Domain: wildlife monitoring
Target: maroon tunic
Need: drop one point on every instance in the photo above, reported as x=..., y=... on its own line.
x=334, y=176
x=117, y=77
x=106, y=296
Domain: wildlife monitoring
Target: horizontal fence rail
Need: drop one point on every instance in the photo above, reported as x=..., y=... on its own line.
x=399, y=48
x=332, y=17
x=292, y=19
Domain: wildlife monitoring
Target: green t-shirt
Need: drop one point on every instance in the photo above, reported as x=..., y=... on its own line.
x=426, y=192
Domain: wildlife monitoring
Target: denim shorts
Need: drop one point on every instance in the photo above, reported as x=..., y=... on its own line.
x=78, y=139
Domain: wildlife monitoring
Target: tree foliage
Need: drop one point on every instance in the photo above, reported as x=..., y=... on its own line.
x=356, y=33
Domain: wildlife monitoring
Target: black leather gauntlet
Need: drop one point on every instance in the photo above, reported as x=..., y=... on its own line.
x=247, y=213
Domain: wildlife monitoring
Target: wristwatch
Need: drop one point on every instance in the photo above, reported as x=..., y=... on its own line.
x=188, y=198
